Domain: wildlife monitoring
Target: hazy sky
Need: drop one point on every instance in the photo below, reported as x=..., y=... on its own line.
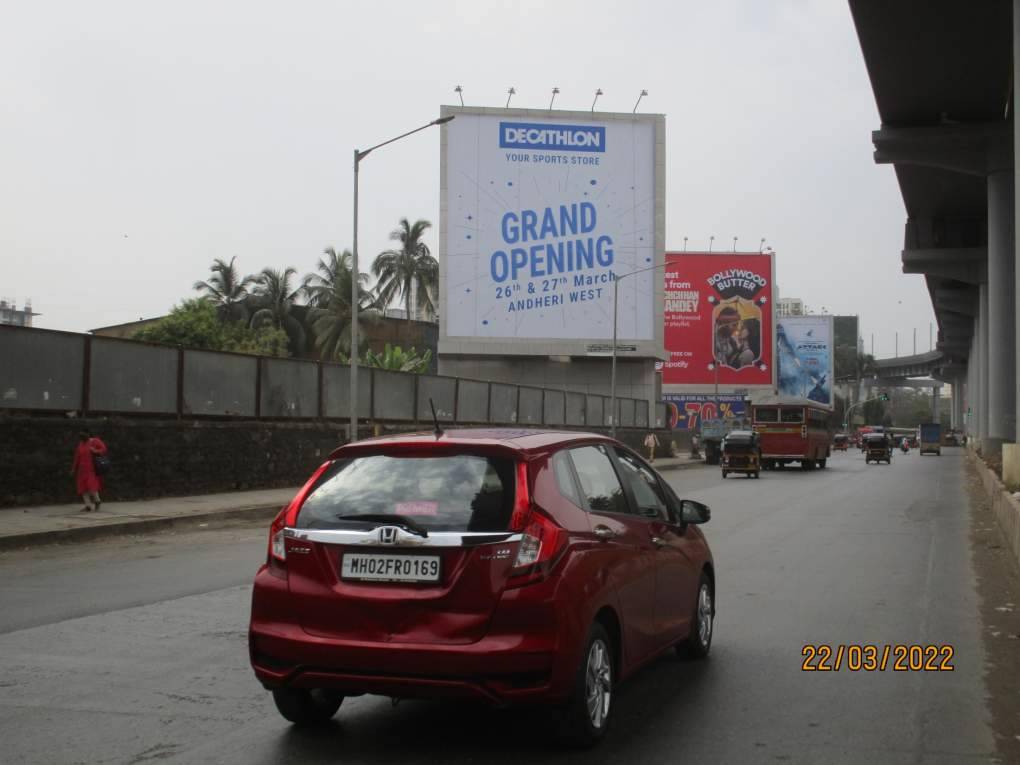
x=140, y=140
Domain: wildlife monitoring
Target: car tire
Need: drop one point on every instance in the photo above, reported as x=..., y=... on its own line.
x=821, y=463
x=699, y=641
x=585, y=718
x=757, y=474
x=307, y=707
x=724, y=474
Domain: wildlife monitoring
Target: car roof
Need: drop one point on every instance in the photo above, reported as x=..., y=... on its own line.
x=516, y=439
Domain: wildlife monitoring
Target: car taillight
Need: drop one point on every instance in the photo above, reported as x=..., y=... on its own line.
x=541, y=544
x=541, y=539
x=276, y=555
x=522, y=499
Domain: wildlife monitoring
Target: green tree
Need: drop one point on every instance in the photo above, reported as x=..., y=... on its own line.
x=196, y=324
x=276, y=297
x=330, y=317
x=874, y=412
x=399, y=360
x=227, y=290
x=320, y=287
x=408, y=271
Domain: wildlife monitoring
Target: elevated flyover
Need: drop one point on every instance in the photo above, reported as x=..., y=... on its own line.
x=942, y=73
x=925, y=371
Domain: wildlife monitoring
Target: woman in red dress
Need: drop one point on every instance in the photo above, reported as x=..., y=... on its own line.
x=84, y=470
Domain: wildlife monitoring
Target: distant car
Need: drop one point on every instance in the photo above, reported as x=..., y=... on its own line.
x=504, y=566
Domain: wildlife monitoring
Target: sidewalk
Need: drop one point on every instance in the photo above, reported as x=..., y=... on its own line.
x=27, y=526
x=46, y=524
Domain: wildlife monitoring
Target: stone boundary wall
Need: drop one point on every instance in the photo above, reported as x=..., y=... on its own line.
x=1006, y=509
x=181, y=457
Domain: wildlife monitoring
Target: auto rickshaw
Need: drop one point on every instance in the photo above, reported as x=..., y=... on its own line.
x=741, y=453
x=840, y=442
x=877, y=448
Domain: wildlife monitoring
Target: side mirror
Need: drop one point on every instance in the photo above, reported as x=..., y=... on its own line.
x=694, y=512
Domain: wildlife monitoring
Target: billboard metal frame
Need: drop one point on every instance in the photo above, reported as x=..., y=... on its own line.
x=524, y=346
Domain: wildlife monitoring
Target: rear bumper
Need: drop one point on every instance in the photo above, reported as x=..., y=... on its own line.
x=489, y=670
x=529, y=654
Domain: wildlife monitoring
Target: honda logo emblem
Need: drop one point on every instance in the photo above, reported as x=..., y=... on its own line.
x=388, y=535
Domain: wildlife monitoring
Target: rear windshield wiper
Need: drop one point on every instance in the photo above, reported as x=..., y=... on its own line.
x=380, y=519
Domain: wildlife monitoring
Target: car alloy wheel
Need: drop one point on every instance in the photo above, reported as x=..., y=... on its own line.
x=598, y=683
x=699, y=641
x=584, y=719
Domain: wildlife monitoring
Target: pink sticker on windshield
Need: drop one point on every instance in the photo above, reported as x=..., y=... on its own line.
x=422, y=507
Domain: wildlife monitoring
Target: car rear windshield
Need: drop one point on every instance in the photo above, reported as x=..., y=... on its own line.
x=461, y=492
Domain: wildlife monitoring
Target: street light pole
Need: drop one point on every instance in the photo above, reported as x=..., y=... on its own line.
x=352, y=434
x=612, y=374
x=846, y=414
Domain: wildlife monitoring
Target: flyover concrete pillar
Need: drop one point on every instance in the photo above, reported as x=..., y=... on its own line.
x=935, y=391
x=958, y=397
x=1000, y=363
x=981, y=409
x=973, y=363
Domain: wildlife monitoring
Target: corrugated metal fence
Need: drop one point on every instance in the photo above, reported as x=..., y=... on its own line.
x=44, y=370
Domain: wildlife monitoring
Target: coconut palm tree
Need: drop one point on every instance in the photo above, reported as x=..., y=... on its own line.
x=408, y=271
x=276, y=296
x=330, y=316
x=334, y=267
x=227, y=290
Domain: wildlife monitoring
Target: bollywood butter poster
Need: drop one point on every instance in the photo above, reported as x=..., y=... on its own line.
x=804, y=345
x=718, y=319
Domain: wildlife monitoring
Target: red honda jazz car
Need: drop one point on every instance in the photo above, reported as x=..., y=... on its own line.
x=511, y=566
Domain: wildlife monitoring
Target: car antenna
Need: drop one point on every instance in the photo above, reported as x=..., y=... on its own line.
x=435, y=420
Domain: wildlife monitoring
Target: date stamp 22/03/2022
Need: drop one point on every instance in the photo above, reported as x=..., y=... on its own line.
x=867, y=657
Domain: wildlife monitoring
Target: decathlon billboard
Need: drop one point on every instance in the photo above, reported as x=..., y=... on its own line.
x=540, y=213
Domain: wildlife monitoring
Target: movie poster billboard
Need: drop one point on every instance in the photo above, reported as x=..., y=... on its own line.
x=541, y=212
x=718, y=320
x=685, y=411
x=804, y=347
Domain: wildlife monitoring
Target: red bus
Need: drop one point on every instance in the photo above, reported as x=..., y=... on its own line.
x=792, y=432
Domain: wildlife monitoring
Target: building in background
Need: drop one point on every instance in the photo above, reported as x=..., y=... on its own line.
x=789, y=307
x=19, y=317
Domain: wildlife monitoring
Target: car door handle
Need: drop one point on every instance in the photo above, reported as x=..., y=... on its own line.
x=659, y=542
x=604, y=533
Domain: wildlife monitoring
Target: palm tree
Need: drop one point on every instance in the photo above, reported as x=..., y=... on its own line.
x=275, y=297
x=319, y=287
x=330, y=316
x=227, y=290
x=410, y=270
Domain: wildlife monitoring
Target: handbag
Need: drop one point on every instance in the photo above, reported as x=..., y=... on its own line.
x=101, y=464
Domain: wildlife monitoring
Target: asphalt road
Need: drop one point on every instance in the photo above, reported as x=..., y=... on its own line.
x=134, y=650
